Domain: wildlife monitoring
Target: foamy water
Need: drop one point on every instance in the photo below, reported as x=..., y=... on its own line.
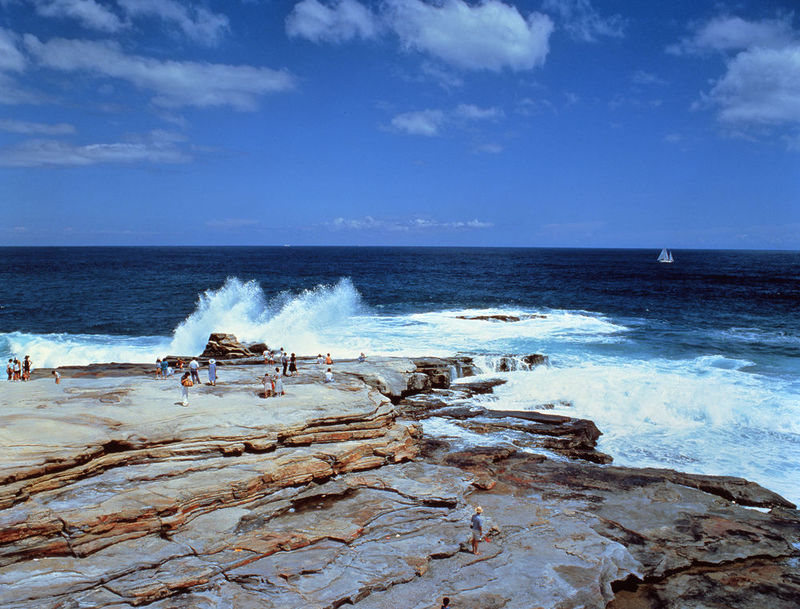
x=707, y=413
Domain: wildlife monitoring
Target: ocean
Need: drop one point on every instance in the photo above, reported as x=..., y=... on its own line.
x=693, y=365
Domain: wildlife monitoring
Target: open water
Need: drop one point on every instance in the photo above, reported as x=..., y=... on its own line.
x=693, y=365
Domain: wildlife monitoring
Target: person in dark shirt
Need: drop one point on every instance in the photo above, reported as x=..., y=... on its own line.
x=477, y=528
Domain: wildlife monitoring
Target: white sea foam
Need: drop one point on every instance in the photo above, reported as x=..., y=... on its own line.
x=51, y=350
x=702, y=414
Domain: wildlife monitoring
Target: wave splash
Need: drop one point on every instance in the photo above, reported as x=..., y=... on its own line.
x=300, y=322
x=305, y=323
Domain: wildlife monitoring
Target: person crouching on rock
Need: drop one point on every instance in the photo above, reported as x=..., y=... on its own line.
x=329, y=376
x=477, y=528
x=186, y=382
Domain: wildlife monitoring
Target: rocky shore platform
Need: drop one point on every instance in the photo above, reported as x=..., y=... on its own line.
x=113, y=495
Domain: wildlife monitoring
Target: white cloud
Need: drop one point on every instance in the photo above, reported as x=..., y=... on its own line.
x=196, y=22
x=471, y=112
x=414, y=224
x=175, y=83
x=11, y=58
x=583, y=22
x=760, y=86
x=152, y=148
x=490, y=35
x=736, y=34
x=334, y=21
x=430, y=122
x=420, y=122
x=14, y=126
x=89, y=13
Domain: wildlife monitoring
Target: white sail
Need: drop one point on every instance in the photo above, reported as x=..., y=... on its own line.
x=665, y=256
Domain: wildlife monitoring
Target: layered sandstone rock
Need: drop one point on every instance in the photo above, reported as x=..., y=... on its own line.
x=114, y=496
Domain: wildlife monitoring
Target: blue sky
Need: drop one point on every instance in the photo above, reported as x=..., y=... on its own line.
x=579, y=123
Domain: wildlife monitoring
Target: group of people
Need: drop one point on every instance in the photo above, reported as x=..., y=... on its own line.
x=19, y=370
x=281, y=357
x=272, y=381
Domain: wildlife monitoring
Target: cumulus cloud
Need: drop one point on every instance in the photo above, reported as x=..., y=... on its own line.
x=582, y=21
x=335, y=21
x=175, y=83
x=419, y=122
x=415, y=224
x=430, y=122
x=54, y=153
x=728, y=33
x=196, y=22
x=14, y=126
x=760, y=87
x=88, y=13
x=490, y=35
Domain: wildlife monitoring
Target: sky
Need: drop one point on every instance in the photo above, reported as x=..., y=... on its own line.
x=541, y=123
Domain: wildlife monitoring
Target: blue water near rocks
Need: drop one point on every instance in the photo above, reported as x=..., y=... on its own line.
x=693, y=365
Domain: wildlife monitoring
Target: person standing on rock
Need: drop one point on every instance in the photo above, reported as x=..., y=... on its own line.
x=293, y=365
x=194, y=367
x=158, y=368
x=212, y=372
x=17, y=369
x=186, y=382
x=477, y=528
x=26, y=368
x=278, y=381
x=164, y=368
x=10, y=369
x=284, y=361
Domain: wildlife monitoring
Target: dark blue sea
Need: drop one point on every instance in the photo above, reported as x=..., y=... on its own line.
x=693, y=365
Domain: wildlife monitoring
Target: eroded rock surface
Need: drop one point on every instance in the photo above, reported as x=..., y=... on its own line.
x=114, y=496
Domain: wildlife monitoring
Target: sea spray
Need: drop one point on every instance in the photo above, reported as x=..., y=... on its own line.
x=702, y=414
x=305, y=323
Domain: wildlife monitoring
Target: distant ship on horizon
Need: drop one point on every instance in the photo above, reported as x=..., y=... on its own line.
x=665, y=256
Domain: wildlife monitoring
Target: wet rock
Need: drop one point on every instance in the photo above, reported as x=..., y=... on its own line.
x=324, y=498
x=503, y=318
x=225, y=346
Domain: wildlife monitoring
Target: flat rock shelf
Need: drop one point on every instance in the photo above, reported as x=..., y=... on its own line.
x=113, y=495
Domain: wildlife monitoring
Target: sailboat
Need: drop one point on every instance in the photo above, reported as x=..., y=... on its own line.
x=665, y=256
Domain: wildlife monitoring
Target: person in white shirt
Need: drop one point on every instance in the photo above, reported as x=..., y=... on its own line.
x=329, y=376
x=194, y=367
